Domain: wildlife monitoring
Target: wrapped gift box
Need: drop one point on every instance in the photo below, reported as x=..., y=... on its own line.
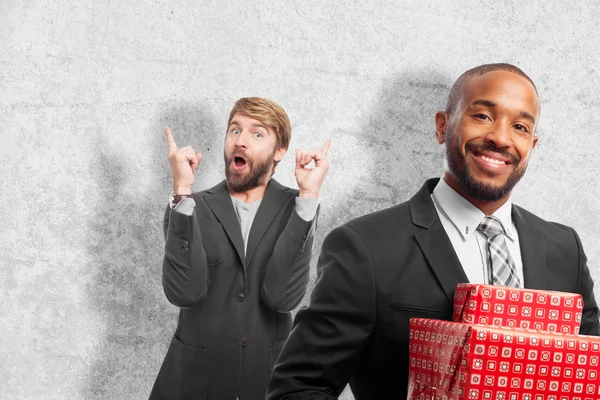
x=453, y=360
x=518, y=308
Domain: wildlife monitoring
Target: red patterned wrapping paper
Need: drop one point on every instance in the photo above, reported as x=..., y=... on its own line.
x=518, y=308
x=452, y=360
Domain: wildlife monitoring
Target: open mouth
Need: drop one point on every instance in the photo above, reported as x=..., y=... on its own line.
x=239, y=163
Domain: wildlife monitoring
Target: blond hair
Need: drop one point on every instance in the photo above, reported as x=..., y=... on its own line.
x=269, y=113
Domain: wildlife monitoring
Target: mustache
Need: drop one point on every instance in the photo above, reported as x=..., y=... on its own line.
x=472, y=147
x=238, y=152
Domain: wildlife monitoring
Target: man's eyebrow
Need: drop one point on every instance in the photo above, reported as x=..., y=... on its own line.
x=528, y=116
x=489, y=103
x=260, y=126
x=254, y=126
x=483, y=102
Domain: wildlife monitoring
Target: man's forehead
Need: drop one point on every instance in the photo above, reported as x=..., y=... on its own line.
x=239, y=119
x=493, y=80
x=498, y=85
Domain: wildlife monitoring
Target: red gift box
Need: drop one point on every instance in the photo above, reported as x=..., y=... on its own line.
x=453, y=360
x=518, y=308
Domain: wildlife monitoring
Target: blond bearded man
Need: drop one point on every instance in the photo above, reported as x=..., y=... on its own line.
x=237, y=257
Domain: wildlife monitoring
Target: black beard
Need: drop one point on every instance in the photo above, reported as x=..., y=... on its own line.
x=474, y=188
x=257, y=172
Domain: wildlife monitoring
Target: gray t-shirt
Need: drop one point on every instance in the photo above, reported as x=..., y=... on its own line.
x=245, y=213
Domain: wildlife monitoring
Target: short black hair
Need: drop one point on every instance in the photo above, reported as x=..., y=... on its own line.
x=459, y=85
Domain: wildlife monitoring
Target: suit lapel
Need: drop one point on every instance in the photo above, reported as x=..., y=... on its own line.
x=533, y=251
x=220, y=203
x=274, y=200
x=434, y=241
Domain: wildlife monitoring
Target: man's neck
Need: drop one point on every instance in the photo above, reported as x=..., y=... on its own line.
x=250, y=195
x=487, y=207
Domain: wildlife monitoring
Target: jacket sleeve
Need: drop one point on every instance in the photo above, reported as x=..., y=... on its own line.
x=184, y=270
x=329, y=337
x=585, y=285
x=287, y=272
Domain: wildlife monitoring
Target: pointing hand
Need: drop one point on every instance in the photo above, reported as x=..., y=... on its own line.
x=183, y=162
x=310, y=180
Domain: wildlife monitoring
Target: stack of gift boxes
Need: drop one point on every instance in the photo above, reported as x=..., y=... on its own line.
x=505, y=344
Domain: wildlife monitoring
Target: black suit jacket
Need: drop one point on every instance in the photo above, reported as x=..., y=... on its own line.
x=235, y=308
x=377, y=272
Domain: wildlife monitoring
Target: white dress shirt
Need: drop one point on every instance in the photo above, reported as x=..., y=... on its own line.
x=460, y=220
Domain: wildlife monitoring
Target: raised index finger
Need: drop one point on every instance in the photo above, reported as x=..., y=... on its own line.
x=325, y=148
x=170, y=140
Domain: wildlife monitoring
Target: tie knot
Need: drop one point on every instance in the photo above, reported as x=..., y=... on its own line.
x=491, y=226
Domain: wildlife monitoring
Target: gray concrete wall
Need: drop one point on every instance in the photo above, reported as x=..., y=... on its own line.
x=85, y=88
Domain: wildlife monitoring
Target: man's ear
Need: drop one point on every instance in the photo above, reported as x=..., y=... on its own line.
x=279, y=154
x=535, y=140
x=441, y=120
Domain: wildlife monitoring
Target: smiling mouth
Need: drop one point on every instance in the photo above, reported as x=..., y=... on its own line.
x=491, y=159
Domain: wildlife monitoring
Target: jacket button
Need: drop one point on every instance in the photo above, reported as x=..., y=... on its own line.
x=244, y=342
x=185, y=243
x=241, y=297
x=185, y=249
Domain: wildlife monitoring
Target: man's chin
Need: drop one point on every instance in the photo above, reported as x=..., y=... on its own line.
x=491, y=184
x=487, y=190
x=240, y=185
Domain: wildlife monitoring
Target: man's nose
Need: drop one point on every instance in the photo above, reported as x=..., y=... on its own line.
x=241, y=140
x=500, y=134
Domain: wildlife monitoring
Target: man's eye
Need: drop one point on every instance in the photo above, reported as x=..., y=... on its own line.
x=520, y=127
x=481, y=116
x=235, y=131
x=258, y=134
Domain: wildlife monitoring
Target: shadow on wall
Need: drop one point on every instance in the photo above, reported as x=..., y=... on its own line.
x=390, y=156
x=126, y=245
x=401, y=137
x=397, y=152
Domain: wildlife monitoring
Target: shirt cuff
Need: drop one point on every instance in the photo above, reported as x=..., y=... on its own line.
x=185, y=206
x=306, y=208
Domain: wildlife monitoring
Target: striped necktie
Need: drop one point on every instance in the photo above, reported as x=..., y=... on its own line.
x=503, y=270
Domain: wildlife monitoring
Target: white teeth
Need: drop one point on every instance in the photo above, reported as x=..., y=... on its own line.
x=492, y=160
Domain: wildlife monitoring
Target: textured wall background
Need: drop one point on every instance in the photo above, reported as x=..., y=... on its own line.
x=86, y=87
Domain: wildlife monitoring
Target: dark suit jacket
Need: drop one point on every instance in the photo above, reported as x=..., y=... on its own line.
x=377, y=272
x=234, y=314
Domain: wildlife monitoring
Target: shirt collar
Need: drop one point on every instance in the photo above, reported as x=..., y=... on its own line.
x=464, y=215
x=504, y=214
x=245, y=206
